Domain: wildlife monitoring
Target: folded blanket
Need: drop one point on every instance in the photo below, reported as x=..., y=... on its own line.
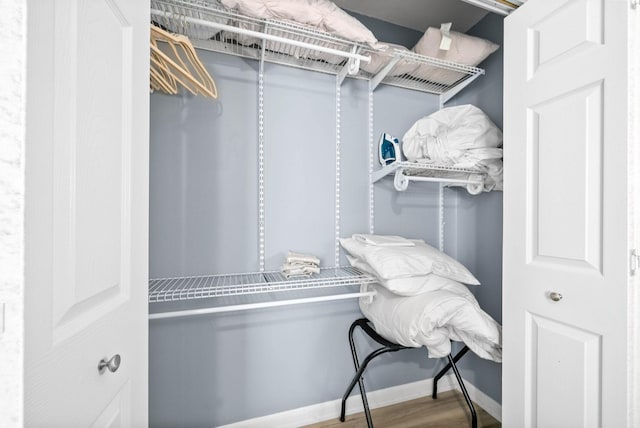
x=298, y=264
x=433, y=319
x=293, y=257
x=301, y=270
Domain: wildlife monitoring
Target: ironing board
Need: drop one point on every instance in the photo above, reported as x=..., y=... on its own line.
x=388, y=346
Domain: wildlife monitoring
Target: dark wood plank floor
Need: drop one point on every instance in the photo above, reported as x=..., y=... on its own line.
x=448, y=411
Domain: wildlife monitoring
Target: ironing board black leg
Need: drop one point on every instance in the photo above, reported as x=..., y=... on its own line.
x=446, y=368
x=474, y=418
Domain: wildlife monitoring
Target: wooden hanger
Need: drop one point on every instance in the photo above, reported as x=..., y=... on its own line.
x=160, y=76
x=178, y=64
x=192, y=56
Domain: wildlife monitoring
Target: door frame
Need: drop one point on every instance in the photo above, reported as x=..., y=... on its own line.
x=633, y=396
x=13, y=31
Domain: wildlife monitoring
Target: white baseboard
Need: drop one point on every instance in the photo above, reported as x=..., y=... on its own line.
x=487, y=403
x=331, y=409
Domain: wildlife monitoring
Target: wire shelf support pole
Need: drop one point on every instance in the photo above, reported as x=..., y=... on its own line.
x=261, y=178
x=371, y=149
x=337, y=188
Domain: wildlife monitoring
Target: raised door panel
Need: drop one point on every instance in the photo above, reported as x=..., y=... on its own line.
x=117, y=414
x=92, y=163
x=565, y=142
x=568, y=361
x=575, y=25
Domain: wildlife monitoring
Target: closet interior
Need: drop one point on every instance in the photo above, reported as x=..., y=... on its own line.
x=285, y=159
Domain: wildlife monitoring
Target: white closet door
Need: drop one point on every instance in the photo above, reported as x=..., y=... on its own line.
x=86, y=213
x=566, y=248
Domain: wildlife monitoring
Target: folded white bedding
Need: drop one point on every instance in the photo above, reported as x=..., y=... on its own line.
x=434, y=318
x=461, y=136
x=393, y=262
x=410, y=286
x=383, y=240
x=320, y=14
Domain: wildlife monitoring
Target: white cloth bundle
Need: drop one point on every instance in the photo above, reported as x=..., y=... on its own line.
x=320, y=14
x=433, y=319
x=396, y=261
x=419, y=300
x=297, y=264
x=461, y=136
x=383, y=240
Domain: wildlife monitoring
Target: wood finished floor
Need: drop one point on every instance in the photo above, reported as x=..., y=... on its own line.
x=448, y=411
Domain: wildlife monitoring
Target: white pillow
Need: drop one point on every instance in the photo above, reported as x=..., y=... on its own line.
x=295, y=10
x=411, y=286
x=464, y=49
x=322, y=14
x=337, y=21
x=404, y=262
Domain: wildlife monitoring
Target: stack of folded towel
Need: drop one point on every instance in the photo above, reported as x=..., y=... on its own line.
x=297, y=264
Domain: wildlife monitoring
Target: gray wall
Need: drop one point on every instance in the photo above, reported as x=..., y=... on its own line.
x=213, y=370
x=479, y=218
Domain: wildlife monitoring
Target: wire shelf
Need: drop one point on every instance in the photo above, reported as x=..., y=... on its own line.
x=284, y=42
x=410, y=70
x=211, y=26
x=202, y=287
x=435, y=170
x=415, y=171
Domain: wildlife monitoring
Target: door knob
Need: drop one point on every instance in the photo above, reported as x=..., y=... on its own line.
x=556, y=297
x=112, y=364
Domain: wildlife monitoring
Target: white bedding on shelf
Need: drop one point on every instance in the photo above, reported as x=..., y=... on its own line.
x=393, y=262
x=434, y=318
x=461, y=136
x=321, y=14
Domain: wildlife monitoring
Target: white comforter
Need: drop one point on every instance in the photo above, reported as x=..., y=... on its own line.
x=434, y=318
x=461, y=136
x=321, y=14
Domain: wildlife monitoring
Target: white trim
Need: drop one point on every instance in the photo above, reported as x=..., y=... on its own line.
x=380, y=398
x=633, y=392
x=487, y=403
x=13, y=105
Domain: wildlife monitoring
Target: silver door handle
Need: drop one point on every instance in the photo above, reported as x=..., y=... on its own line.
x=556, y=297
x=112, y=364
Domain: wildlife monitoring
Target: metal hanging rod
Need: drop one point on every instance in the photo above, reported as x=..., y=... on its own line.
x=260, y=305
